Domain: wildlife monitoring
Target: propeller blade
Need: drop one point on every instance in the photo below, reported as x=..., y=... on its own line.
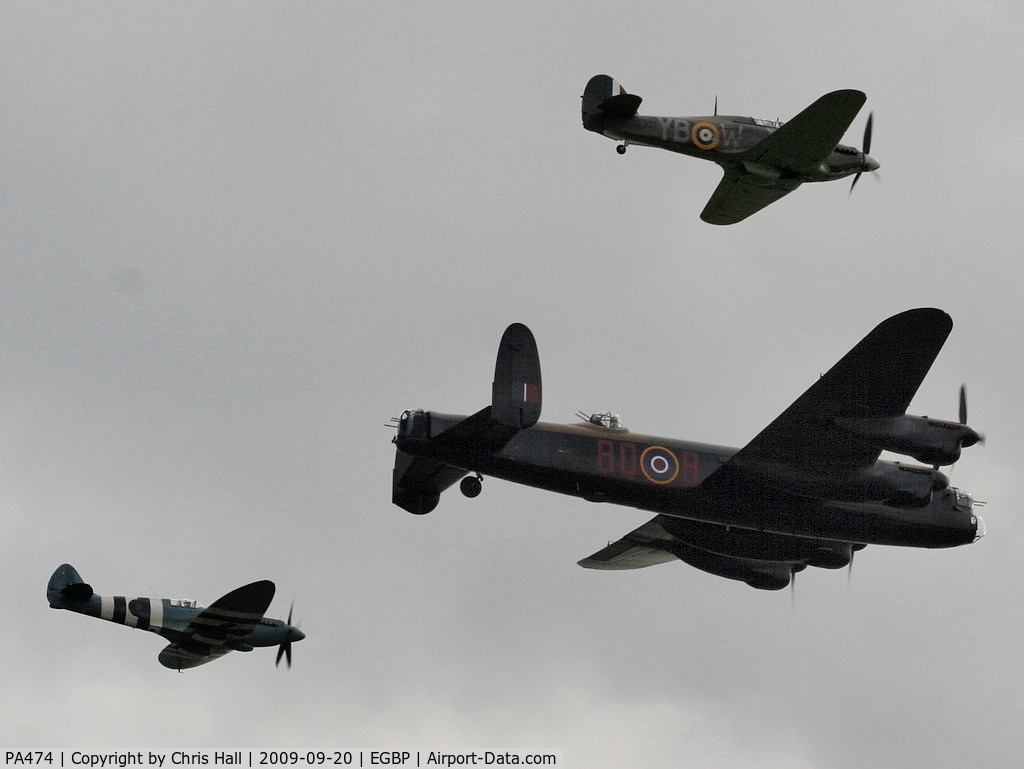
x=963, y=404
x=284, y=650
x=867, y=147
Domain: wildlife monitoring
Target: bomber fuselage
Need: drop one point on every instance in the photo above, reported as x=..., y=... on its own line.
x=602, y=464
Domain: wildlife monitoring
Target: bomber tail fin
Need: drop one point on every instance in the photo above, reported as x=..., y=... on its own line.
x=418, y=479
x=66, y=588
x=605, y=98
x=516, y=390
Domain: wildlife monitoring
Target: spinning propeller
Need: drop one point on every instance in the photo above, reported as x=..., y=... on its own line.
x=867, y=148
x=285, y=649
x=971, y=437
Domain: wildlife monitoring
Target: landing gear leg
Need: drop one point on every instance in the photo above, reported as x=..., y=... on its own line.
x=471, y=485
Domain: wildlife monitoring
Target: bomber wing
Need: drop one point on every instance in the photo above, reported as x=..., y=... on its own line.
x=710, y=548
x=642, y=547
x=877, y=378
x=220, y=627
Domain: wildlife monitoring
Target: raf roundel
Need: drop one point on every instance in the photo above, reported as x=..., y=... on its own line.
x=705, y=136
x=659, y=465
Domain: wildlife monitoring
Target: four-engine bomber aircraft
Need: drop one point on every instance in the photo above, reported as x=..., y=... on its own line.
x=762, y=160
x=808, y=490
x=197, y=635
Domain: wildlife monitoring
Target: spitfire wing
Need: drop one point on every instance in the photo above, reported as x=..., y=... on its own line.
x=740, y=195
x=220, y=627
x=877, y=378
x=805, y=141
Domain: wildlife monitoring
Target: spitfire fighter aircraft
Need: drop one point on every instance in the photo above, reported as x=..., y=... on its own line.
x=198, y=635
x=808, y=490
x=762, y=160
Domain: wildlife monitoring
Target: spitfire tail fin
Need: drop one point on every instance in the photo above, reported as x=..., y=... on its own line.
x=516, y=390
x=66, y=588
x=605, y=98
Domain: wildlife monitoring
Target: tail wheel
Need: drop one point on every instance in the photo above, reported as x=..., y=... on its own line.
x=471, y=486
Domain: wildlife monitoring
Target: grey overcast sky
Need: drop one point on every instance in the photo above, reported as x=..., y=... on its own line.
x=238, y=237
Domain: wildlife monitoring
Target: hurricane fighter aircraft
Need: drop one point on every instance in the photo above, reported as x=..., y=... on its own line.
x=808, y=490
x=198, y=635
x=762, y=160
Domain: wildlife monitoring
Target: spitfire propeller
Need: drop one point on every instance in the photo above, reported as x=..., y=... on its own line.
x=867, y=150
x=294, y=634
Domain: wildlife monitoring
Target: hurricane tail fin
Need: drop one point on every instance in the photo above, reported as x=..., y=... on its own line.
x=605, y=98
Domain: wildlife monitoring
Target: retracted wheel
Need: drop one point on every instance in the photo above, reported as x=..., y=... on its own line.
x=621, y=149
x=471, y=486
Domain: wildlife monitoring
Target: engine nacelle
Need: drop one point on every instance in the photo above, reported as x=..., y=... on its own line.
x=900, y=485
x=933, y=441
x=892, y=483
x=832, y=555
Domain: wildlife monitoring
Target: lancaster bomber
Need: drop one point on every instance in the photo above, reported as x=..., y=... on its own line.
x=762, y=160
x=197, y=635
x=809, y=490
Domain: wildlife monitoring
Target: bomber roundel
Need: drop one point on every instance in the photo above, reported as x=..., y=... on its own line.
x=659, y=465
x=705, y=136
